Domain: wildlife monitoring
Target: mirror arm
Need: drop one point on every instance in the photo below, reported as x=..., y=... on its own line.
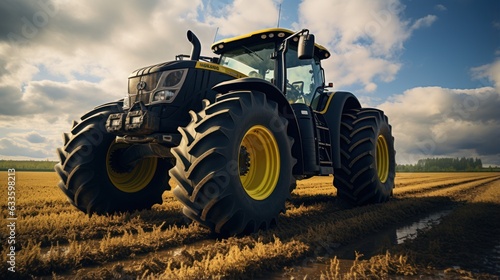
x=280, y=61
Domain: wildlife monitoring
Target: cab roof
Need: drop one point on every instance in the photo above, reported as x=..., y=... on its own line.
x=262, y=36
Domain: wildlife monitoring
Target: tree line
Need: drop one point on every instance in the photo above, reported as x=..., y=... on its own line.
x=443, y=165
x=27, y=165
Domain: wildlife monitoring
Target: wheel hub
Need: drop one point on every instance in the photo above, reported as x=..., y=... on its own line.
x=125, y=180
x=244, y=161
x=116, y=164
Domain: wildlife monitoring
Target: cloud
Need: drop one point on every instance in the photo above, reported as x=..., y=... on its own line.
x=35, y=137
x=423, y=22
x=51, y=98
x=443, y=122
x=496, y=24
x=365, y=38
x=440, y=7
x=488, y=72
x=22, y=16
x=17, y=148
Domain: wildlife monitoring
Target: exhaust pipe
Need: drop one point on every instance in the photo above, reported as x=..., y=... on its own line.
x=195, y=52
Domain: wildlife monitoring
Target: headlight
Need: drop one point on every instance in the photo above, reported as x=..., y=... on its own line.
x=169, y=86
x=163, y=95
x=126, y=102
x=116, y=122
x=173, y=78
x=137, y=119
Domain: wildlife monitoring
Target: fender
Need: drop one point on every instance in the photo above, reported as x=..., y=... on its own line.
x=274, y=94
x=103, y=106
x=337, y=103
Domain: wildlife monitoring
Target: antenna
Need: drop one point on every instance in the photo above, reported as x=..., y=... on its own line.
x=215, y=36
x=279, y=16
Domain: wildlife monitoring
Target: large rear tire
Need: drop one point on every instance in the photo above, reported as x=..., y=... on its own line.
x=367, y=158
x=93, y=182
x=234, y=164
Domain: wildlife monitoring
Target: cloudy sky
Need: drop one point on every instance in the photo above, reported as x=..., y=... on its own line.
x=433, y=66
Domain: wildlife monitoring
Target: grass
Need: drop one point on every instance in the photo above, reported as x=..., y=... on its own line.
x=378, y=267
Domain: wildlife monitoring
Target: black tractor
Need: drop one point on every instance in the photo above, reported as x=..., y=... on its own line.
x=233, y=131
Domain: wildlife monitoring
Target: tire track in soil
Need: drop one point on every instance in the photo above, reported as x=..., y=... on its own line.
x=406, y=191
x=463, y=192
x=420, y=178
x=411, y=182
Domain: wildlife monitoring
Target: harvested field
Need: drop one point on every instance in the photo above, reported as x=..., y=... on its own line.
x=442, y=225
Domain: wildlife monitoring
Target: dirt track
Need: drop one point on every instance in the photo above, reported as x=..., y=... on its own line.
x=58, y=239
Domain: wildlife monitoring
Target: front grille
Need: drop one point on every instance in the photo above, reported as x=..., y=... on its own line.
x=149, y=83
x=132, y=85
x=144, y=97
x=150, y=80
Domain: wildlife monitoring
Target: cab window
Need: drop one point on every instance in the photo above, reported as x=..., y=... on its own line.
x=304, y=77
x=254, y=61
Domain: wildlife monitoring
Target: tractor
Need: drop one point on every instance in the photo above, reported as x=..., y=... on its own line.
x=233, y=132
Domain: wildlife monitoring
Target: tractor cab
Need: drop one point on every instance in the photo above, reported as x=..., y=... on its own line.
x=258, y=54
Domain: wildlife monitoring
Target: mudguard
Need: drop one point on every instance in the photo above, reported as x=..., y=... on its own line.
x=336, y=104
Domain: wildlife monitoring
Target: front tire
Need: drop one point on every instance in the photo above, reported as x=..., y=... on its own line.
x=93, y=182
x=234, y=164
x=367, y=158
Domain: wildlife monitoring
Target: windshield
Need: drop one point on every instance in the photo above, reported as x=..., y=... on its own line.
x=254, y=61
x=304, y=76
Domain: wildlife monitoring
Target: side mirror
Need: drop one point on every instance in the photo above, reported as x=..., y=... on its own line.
x=306, y=46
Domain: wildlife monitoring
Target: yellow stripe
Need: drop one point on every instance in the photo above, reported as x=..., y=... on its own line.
x=219, y=68
x=327, y=104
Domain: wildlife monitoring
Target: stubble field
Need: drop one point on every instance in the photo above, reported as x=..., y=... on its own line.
x=442, y=225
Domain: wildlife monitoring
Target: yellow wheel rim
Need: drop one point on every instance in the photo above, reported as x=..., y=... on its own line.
x=263, y=167
x=135, y=180
x=382, y=156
